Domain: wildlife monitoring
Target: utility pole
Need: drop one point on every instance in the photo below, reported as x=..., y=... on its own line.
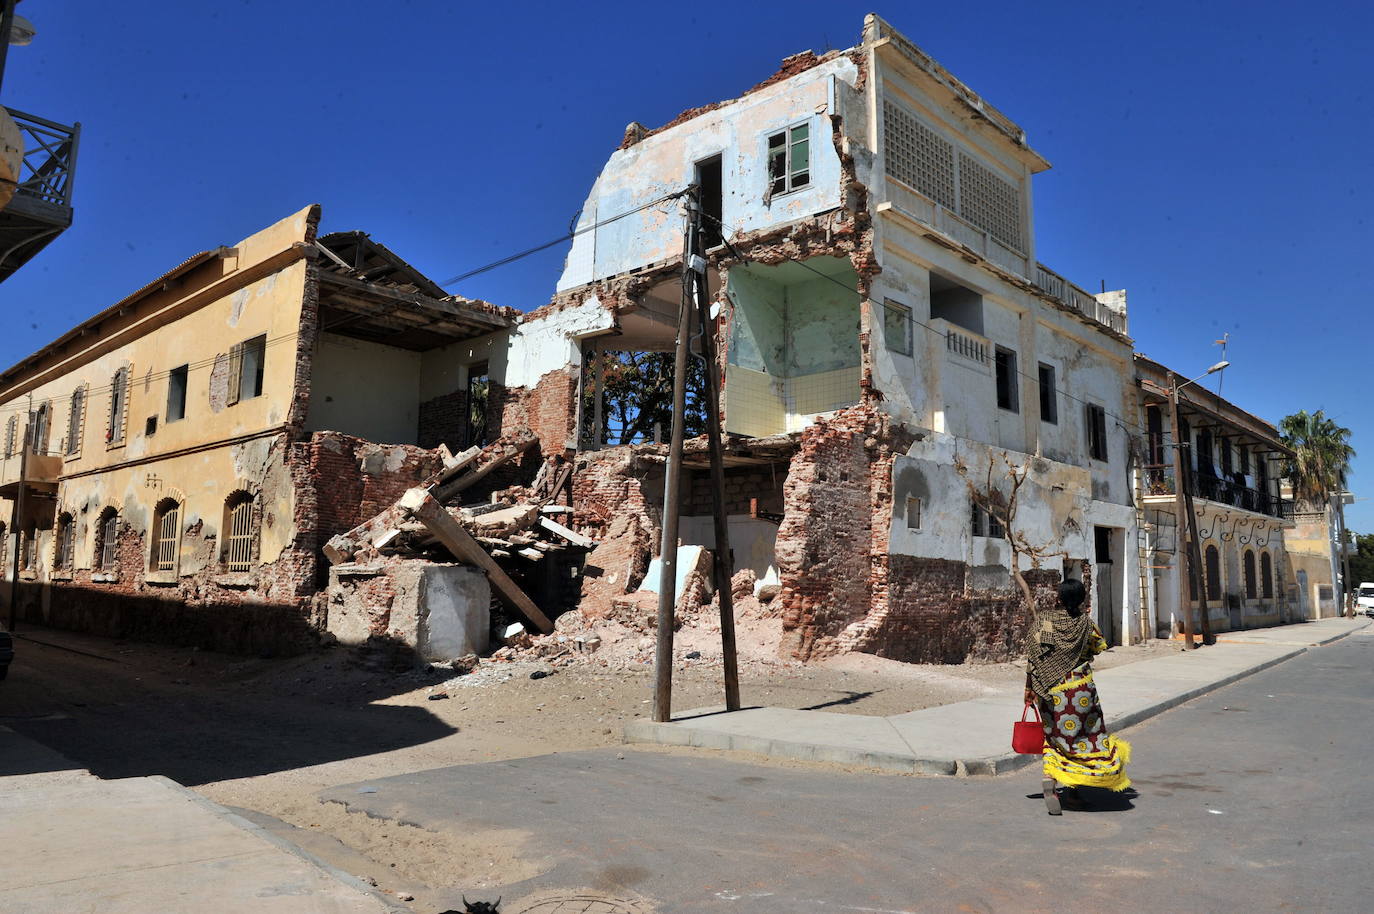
x=672, y=485
x=722, y=562
x=1181, y=551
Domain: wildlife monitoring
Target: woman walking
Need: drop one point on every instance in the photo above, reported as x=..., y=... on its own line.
x=1059, y=678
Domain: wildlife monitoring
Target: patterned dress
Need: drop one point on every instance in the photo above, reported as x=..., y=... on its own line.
x=1079, y=752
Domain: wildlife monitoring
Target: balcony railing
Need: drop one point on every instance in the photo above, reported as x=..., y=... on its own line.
x=1159, y=480
x=49, y=159
x=1078, y=299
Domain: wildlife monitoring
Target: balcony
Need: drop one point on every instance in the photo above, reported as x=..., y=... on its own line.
x=40, y=472
x=41, y=207
x=1078, y=299
x=1159, y=489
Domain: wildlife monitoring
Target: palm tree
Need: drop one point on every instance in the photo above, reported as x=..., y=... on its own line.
x=1321, y=456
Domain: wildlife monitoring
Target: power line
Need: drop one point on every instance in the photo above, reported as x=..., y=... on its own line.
x=560, y=239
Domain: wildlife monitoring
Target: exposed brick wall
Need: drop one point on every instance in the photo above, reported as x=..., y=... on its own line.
x=742, y=485
x=443, y=420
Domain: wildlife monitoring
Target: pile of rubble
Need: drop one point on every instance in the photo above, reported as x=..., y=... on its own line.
x=504, y=536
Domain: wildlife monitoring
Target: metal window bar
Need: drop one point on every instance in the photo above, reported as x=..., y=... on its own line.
x=238, y=552
x=66, y=544
x=167, y=539
x=109, y=542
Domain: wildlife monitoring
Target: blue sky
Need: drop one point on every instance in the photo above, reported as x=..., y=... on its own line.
x=1210, y=158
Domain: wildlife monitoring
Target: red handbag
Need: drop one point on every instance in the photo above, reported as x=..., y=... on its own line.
x=1028, y=736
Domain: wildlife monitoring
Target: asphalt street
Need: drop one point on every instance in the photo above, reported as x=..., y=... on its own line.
x=1256, y=797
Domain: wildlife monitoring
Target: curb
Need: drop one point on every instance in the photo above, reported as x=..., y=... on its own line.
x=675, y=734
x=240, y=822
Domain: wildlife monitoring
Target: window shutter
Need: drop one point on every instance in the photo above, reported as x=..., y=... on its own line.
x=235, y=372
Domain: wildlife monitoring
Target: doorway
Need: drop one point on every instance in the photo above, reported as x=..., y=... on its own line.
x=1105, y=599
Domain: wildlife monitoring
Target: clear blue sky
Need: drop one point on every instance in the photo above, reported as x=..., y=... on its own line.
x=1211, y=158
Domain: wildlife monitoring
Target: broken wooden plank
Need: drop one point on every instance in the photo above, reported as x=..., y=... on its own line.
x=453, y=487
x=385, y=539
x=556, y=509
x=455, y=465
x=534, y=555
x=421, y=505
x=572, y=536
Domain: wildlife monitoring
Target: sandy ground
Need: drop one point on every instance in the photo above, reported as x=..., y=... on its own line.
x=266, y=735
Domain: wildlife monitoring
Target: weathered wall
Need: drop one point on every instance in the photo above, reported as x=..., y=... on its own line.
x=365, y=389
x=441, y=611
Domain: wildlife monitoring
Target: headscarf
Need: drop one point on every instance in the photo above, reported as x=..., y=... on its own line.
x=1056, y=645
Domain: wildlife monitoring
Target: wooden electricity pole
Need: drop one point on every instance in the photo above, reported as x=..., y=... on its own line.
x=1181, y=548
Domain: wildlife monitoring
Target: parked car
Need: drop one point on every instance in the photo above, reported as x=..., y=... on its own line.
x=1364, y=603
x=6, y=652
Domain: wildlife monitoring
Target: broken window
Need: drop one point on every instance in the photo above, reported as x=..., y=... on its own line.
x=1097, y=431
x=789, y=160
x=986, y=523
x=176, y=393
x=65, y=547
x=107, y=540
x=478, y=398
x=246, y=361
x=627, y=397
x=119, y=391
x=711, y=189
x=1049, y=397
x=74, y=421
x=239, y=533
x=897, y=327
x=1006, y=380
x=166, y=535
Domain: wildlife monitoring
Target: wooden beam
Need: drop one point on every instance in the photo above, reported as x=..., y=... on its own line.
x=418, y=503
x=438, y=307
x=572, y=536
x=450, y=489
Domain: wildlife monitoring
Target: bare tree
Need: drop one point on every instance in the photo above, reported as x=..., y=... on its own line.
x=1000, y=499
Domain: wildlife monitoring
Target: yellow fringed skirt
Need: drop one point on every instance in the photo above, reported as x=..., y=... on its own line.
x=1079, y=752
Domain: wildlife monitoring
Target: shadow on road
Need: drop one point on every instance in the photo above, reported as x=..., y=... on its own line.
x=126, y=709
x=1094, y=800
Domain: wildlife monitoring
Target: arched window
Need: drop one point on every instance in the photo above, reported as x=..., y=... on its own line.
x=1249, y=574
x=106, y=540
x=1213, y=563
x=240, y=533
x=119, y=388
x=64, y=545
x=166, y=532
x=75, y=420
x=1266, y=576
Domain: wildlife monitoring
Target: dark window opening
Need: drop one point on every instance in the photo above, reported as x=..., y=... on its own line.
x=1267, y=575
x=1226, y=461
x=1097, y=432
x=1249, y=572
x=709, y=180
x=1205, y=466
x=985, y=523
x=1006, y=380
x=1102, y=545
x=479, y=395
x=959, y=305
x=1049, y=397
x=1213, y=561
x=176, y=393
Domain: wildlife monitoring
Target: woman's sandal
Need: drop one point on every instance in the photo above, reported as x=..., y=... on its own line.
x=1051, y=797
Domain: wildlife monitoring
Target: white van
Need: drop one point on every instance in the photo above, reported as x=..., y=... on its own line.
x=1364, y=603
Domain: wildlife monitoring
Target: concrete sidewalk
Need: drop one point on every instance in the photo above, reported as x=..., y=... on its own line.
x=974, y=737
x=74, y=842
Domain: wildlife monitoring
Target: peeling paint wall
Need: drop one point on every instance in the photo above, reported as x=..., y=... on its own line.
x=365, y=389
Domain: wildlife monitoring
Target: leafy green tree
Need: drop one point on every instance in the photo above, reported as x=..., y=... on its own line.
x=1321, y=456
x=637, y=390
x=1362, y=562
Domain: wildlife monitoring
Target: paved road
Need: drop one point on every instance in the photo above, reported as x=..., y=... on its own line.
x=1257, y=797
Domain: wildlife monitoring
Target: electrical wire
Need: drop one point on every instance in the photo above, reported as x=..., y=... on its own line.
x=560, y=239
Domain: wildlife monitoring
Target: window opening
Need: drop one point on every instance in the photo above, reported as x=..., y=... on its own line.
x=956, y=303
x=711, y=189
x=119, y=390
x=1049, y=397
x=38, y=442
x=239, y=536
x=1249, y=574
x=913, y=513
x=1006, y=380
x=1213, y=562
x=1097, y=432
x=986, y=523
x=897, y=327
x=66, y=542
x=789, y=160
x=1267, y=575
x=26, y=549
x=479, y=395
x=109, y=539
x=176, y=393
x=75, y=420
x=246, y=362
x=167, y=523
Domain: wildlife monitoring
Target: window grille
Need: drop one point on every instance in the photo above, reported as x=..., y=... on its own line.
x=989, y=202
x=918, y=156
x=74, y=421
x=238, y=544
x=114, y=432
x=985, y=523
x=109, y=539
x=168, y=538
x=66, y=542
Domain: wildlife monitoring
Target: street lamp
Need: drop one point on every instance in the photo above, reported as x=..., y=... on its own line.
x=1183, y=512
